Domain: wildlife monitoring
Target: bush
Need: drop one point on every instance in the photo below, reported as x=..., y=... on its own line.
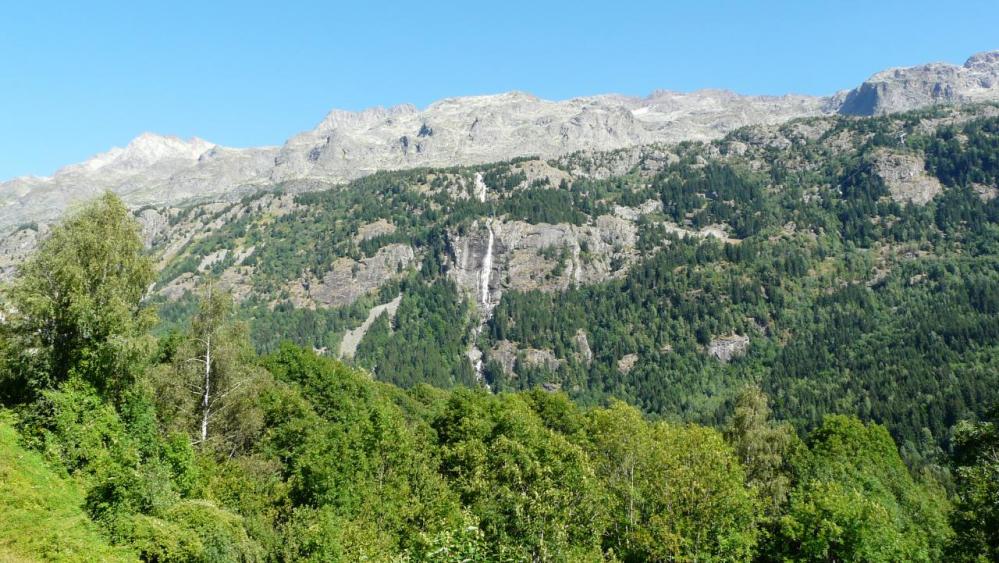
x=220, y=532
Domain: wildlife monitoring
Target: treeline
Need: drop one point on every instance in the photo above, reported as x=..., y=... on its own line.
x=190, y=447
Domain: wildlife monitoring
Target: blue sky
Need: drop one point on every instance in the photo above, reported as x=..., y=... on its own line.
x=79, y=77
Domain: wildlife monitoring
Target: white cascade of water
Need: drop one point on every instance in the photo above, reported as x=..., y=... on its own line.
x=487, y=268
x=480, y=187
x=484, y=278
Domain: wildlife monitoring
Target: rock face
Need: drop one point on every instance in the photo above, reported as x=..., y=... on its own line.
x=154, y=226
x=583, y=351
x=347, y=280
x=157, y=170
x=726, y=348
x=151, y=170
x=541, y=256
x=902, y=89
x=626, y=363
x=481, y=129
x=507, y=354
x=906, y=178
x=467, y=261
x=15, y=248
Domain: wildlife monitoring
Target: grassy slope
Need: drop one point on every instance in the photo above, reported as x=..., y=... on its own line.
x=40, y=512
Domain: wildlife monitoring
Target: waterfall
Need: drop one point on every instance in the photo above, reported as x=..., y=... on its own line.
x=487, y=268
x=478, y=372
x=480, y=187
x=484, y=276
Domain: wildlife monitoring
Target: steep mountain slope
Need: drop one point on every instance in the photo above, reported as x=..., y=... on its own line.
x=846, y=265
x=152, y=169
x=155, y=170
x=491, y=128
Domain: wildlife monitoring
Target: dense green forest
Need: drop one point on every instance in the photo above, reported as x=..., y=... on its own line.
x=120, y=445
x=853, y=300
x=856, y=423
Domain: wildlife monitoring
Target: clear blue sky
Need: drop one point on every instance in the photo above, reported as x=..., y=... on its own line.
x=79, y=77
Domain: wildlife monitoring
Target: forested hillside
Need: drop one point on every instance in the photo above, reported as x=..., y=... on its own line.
x=778, y=346
x=842, y=265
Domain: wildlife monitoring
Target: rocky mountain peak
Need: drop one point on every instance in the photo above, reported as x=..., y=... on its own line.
x=339, y=118
x=150, y=148
x=145, y=150
x=158, y=147
x=986, y=61
x=902, y=89
x=485, y=100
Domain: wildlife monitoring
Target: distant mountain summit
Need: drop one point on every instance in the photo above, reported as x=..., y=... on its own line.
x=157, y=170
x=152, y=169
x=901, y=89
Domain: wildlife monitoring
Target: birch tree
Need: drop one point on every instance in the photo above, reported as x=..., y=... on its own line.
x=209, y=389
x=765, y=448
x=75, y=307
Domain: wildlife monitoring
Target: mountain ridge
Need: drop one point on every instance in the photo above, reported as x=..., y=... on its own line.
x=159, y=170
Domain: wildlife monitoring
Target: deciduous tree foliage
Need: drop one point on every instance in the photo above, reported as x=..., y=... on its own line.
x=75, y=306
x=534, y=491
x=211, y=383
x=976, y=512
x=678, y=492
x=765, y=448
x=856, y=501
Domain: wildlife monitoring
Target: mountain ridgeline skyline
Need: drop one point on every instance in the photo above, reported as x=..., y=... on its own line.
x=157, y=170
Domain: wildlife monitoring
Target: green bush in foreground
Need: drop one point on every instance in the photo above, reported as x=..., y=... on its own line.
x=41, y=512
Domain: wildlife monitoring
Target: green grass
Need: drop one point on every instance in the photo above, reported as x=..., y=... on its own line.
x=41, y=515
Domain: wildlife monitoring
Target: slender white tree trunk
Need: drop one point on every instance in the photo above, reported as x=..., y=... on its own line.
x=205, y=398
